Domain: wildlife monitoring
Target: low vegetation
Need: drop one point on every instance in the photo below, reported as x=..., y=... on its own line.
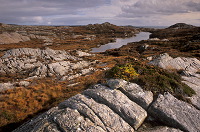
x=21, y=104
x=151, y=78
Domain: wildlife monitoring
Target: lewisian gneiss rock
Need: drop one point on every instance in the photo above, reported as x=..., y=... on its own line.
x=133, y=91
x=119, y=103
x=98, y=113
x=180, y=63
x=59, y=120
x=175, y=113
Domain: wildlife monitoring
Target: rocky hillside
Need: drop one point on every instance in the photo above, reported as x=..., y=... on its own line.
x=49, y=80
x=89, y=35
x=118, y=105
x=181, y=26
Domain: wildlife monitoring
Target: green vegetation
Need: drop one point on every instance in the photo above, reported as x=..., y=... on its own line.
x=151, y=78
x=125, y=72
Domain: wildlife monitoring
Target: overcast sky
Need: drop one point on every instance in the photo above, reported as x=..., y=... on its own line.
x=81, y=12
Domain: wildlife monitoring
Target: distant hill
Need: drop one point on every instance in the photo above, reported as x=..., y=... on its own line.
x=4, y=25
x=181, y=26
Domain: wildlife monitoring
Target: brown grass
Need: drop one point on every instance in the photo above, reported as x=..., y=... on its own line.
x=21, y=103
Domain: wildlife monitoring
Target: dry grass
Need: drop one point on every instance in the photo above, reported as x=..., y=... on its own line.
x=17, y=104
x=21, y=103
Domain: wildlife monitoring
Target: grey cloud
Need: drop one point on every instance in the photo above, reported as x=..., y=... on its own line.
x=194, y=5
x=14, y=10
x=72, y=12
x=160, y=7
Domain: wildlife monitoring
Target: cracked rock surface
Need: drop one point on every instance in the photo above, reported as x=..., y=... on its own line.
x=175, y=113
x=106, y=108
x=38, y=63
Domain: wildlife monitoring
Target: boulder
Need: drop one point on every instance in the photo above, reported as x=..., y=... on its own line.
x=119, y=103
x=133, y=91
x=81, y=53
x=175, y=113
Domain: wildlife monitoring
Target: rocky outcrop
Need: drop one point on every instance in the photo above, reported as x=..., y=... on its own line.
x=193, y=81
x=37, y=63
x=119, y=103
x=190, y=75
x=80, y=53
x=181, y=26
x=103, y=107
x=180, y=63
x=7, y=38
x=15, y=37
x=175, y=113
x=99, y=108
x=133, y=91
x=101, y=114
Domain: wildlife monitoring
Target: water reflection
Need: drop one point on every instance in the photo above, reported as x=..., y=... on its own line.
x=120, y=42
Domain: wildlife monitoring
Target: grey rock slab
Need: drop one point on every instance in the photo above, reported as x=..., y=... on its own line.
x=39, y=63
x=195, y=100
x=71, y=120
x=39, y=123
x=193, y=81
x=59, y=120
x=98, y=113
x=119, y=103
x=175, y=113
x=180, y=63
x=133, y=91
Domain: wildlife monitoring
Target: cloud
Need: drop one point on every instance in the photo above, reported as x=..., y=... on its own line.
x=10, y=9
x=120, y=12
x=146, y=8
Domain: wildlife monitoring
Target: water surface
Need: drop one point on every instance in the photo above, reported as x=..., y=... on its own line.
x=120, y=42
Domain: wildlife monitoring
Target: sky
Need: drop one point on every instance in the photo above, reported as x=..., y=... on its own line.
x=83, y=12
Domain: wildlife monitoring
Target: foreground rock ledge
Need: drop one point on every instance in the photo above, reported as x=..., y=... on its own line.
x=175, y=113
x=105, y=108
x=119, y=103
